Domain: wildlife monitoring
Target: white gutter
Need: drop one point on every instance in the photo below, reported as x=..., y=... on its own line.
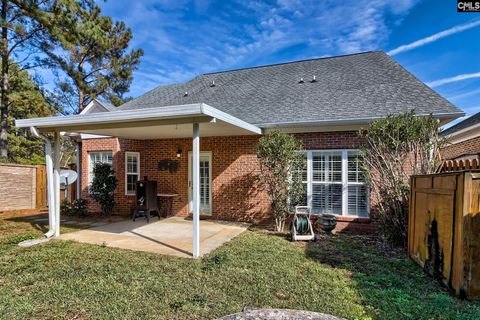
x=50, y=183
x=113, y=117
x=344, y=121
x=462, y=131
x=128, y=116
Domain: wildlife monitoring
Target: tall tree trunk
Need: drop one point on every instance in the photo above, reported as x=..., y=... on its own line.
x=4, y=94
x=81, y=96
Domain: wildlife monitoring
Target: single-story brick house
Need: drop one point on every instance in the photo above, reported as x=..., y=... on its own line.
x=324, y=102
x=463, y=139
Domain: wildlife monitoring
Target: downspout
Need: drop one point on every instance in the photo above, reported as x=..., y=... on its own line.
x=56, y=179
x=50, y=184
x=77, y=163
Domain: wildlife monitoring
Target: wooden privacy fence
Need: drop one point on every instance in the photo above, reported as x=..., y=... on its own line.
x=41, y=193
x=457, y=165
x=25, y=187
x=22, y=187
x=444, y=229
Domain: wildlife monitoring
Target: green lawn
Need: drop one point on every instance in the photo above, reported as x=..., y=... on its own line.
x=349, y=276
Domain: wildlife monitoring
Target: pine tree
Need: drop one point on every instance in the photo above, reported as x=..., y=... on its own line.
x=26, y=101
x=92, y=57
x=18, y=33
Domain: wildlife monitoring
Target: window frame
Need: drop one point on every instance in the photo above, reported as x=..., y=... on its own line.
x=137, y=155
x=344, y=181
x=90, y=165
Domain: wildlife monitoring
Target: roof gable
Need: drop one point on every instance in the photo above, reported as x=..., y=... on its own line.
x=97, y=106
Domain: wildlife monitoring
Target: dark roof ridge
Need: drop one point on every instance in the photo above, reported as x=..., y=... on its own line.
x=294, y=61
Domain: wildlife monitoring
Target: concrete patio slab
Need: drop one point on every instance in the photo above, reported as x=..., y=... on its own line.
x=171, y=236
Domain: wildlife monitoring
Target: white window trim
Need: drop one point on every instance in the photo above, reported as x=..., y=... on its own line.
x=345, y=183
x=131, y=153
x=90, y=165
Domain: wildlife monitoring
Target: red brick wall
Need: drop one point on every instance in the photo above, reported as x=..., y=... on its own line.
x=118, y=147
x=235, y=193
x=234, y=167
x=471, y=146
x=330, y=140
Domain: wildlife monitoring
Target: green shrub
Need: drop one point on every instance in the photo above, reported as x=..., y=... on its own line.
x=395, y=148
x=281, y=164
x=103, y=187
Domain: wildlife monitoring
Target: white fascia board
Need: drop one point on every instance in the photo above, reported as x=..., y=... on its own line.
x=464, y=134
x=179, y=111
x=223, y=116
x=170, y=112
x=89, y=106
x=352, y=121
x=464, y=130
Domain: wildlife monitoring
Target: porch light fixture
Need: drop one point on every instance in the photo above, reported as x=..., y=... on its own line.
x=179, y=153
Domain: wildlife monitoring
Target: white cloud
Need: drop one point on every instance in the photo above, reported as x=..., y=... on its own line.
x=464, y=95
x=435, y=37
x=186, y=39
x=460, y=77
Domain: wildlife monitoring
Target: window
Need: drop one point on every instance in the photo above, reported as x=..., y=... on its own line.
x=97, y=157
x=132, y=171
x=334, y=183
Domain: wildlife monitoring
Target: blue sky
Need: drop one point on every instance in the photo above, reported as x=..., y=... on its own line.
x=182, y=39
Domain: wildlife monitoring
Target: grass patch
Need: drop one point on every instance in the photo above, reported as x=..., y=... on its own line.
x=347, y=276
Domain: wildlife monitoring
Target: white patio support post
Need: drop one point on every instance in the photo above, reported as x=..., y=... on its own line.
x=56, y=182
x=50, y=188
x=196, y=189
x=50, y=182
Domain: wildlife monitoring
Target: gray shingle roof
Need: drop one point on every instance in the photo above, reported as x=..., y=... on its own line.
x=359, y=86
x=470, y=121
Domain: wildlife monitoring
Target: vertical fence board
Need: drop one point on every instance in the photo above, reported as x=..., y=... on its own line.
x=444, y=224
x=41, y=192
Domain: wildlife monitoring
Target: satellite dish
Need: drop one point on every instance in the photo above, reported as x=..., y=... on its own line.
x=67, y=177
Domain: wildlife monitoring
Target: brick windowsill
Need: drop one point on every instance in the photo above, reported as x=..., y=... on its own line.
x=353, y=219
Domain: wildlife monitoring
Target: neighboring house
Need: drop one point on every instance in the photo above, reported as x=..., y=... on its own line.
x=463, y=140
x=324, y=102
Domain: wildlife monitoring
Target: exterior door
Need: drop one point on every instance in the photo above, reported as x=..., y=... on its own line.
x=205, y=182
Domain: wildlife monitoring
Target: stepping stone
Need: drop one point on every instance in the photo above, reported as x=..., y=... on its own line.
x=277, y=314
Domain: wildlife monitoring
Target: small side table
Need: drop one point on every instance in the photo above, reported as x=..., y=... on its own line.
x=166, y=203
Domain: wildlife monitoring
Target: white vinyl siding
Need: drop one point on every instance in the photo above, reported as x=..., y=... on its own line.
x=132, y=172
x=334, y=183
x=97, y=157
